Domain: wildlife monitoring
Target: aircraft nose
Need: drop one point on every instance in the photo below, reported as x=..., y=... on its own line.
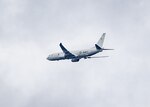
x=47, y=58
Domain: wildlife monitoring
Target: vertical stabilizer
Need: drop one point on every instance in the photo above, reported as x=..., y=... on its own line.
x=101, y=40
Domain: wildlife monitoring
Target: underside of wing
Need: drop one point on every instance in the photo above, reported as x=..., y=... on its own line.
x=68, y=54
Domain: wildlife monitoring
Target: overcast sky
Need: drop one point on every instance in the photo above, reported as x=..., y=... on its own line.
x=32, y=29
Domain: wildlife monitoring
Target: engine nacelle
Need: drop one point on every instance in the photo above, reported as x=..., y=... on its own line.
x=75, y=60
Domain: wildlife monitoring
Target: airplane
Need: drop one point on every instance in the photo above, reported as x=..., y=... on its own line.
x=75, y=56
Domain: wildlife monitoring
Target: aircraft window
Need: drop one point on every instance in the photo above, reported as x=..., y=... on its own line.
x=84, y=51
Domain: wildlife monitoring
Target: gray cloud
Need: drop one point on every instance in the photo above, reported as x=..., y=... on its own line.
x=31, y=29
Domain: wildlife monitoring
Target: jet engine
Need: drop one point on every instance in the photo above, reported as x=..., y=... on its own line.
x=75, y=60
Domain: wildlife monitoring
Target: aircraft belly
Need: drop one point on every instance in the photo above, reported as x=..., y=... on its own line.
x=85, y=54
x=92, y=53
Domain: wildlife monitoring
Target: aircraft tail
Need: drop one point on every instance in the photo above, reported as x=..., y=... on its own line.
x=99, y=44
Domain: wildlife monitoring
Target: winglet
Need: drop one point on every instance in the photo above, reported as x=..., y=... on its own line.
x=63, y=48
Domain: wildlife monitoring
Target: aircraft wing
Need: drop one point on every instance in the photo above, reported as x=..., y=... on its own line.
x=67, y=53
x=97, y=56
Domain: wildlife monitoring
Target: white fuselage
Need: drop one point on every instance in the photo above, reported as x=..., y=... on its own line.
x=78, y=54
x=75, y=56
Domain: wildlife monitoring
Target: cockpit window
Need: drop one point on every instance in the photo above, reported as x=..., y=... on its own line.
x=51, y=55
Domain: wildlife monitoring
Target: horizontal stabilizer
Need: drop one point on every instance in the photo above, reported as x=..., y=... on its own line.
x=98, y=47
x=107, y=49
